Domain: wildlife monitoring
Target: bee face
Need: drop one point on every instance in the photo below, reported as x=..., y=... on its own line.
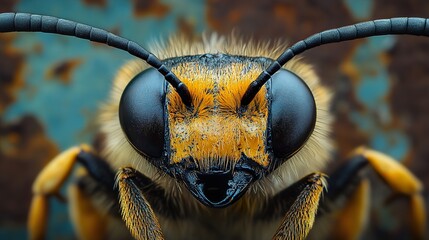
x=217, y=147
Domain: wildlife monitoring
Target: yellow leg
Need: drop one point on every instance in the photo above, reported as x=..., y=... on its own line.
x=38, y=217
x=418, y=216
x=136, y=211
x=89, y=223
x=401, y=180
x=48, y=183
x=352, y=218
x=300, y=218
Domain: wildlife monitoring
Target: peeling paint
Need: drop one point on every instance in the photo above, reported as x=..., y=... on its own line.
x=11, y=71
x=96, y=3
x=63, y=70
x=372, y=88
x=155, y=8
x=7, y=5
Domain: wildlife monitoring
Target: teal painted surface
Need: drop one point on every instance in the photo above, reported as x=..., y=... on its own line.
x=13, y=233
x=66, y=110
x=373, y=89
x=361, y=9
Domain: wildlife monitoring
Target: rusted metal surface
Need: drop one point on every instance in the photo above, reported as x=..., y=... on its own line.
x=24, y=150
x=380, y=84
x=11, y=71
x=155, y=8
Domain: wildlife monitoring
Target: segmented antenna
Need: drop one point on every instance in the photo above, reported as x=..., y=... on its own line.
x=402, y=25
x=24, y=22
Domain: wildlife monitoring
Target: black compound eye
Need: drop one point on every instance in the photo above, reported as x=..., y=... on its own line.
x=141, y=113
x=293, y=113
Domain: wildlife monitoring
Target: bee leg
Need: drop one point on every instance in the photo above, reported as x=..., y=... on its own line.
x=299, y=219
x=47, y=184
x=347, y=198
x=136, y=210
x=50, y=180
x=94, y=181
x=38, y=217
x=347, y=178
x=349, y=192
x=399, y=178
x=88, y=221
x=352, y=218
x=402, y=181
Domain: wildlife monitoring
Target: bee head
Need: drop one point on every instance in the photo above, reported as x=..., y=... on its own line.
x=217, y=147
x=224, y=121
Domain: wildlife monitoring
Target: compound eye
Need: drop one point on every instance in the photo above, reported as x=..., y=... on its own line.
x=293, y=113
x=141, y=113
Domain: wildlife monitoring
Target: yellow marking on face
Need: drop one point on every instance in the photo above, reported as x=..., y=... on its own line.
x=214, y=132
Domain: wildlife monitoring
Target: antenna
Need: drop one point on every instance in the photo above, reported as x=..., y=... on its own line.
x=24, y=22
x=402, y=25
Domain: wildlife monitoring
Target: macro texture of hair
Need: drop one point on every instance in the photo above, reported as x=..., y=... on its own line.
x=312, y=157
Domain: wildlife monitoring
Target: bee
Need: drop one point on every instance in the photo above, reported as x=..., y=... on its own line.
x=216, y=142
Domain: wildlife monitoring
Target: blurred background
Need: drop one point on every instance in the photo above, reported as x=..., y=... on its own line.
x=51, y=86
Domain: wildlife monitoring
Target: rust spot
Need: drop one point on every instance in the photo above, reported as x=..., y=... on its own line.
x=347, y=137
x=24, y=150
x=186, y=28
x=63, y=70
x=8, y=5
x=283, y=11
x=96, y=3
x=37, y=48
x=115, y=30
x=143, y=8
x=234, y=16
x=11, y=71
